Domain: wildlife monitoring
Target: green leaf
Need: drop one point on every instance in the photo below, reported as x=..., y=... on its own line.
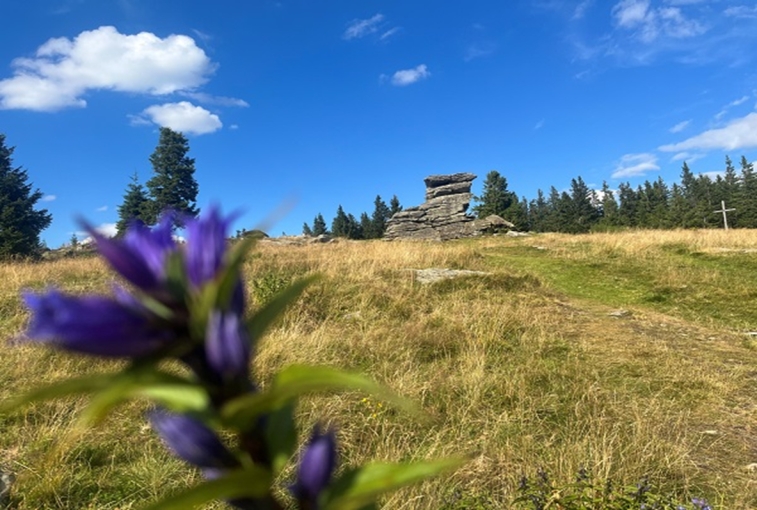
x=176, y=277
x=79, y=385
x=296, y=380
x=360, y=487
x=228, y=280
x=252, y=482
x=281, y=436
x=267, y=315
x=173, y=392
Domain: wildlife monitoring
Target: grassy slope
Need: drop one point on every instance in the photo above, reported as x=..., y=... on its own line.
x=524, y=367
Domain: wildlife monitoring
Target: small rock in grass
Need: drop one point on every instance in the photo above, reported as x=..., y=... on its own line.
x=619, y=313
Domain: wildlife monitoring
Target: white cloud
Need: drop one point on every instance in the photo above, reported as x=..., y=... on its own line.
x=687, y=156
x=478, y=50
x=234, y=126
x=205, y=98
x=739, y=101
x=650, y=23
x=738, y=134
x=48, y=198
x=741, y=11
x=409, y=76
x=581, y=8
x=634, y=165
x=630, y=13
x=183, y=116
x=386, y=35
x=361, y=27
x=102, y=209
x=680, y=126
x=107, y=229
x=713, y=174
x=63, y=70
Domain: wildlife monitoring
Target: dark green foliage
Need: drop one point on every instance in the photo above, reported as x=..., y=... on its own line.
x=340, y=225
x=306, y=230
x=135, y=206
x=20, y=223
x=381, y=213
x=173, y=186
x=495, y=197
x=366, y=225
x=319, y=225
x=609, y=207
x=394, y=206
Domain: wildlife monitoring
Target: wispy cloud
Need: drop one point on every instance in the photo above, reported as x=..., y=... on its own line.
x=740, y=133
x=741, y=11
x=102, y=208
x=183, y=116
x=202, y=97
x=580, y=11
x=635, y=165
x=392, y=31
x=48, y=198
x=358, y=28
x=680, y=126
x=539, y=125
x=479, y=50
x=409, y=76
x=687, y=156
x=63, y=69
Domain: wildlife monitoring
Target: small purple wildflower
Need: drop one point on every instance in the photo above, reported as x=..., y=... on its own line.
x=206, y=246
x=227, y=346
x=190, y=440
x=140, y=256
x=701, y=504
x=92, y=325
x=316, y=467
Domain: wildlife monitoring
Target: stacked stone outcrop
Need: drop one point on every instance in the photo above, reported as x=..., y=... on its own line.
x=444, y=214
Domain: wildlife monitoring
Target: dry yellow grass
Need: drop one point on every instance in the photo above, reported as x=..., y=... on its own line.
x=511, y=368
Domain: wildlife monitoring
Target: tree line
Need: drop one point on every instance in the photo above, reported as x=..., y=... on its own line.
x=346, y=225
x=691, y=203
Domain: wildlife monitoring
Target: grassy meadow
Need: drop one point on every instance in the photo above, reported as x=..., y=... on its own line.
x=522, y=368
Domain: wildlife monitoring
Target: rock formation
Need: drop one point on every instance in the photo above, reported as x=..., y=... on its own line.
x=444, y=213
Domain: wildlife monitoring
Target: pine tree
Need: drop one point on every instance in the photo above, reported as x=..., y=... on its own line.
x=495, y=197
x=394, y=206
x=354, y=229
x=582, y=215
x=306, y=230
x=381, y=213
x=609, y=207
x=20, y=223
x=366, y=226
x=135, y=206
x=340, y=226
x=746, y=198
x=538, y=212
x=319, y=225
x=173, y=187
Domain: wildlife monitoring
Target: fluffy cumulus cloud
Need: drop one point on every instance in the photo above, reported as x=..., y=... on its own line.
x=182, y=116
x=63, y=70
x=361, y=27
x=634, y=165
x=410, y=76
x=738, y=134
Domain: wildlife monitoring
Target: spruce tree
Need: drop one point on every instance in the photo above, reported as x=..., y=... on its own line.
x=20, y=223
x=306, y=230
x=135, y=207
x=173, y=187
x=381, y=213
x=495, y=197
x=394, y=206
x=319, y=225
x=366, y=226
x=609, y=207
x=539, y=212
x=340, y=225
x=746, y=198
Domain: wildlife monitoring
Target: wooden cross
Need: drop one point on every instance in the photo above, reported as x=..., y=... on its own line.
x=724, y=211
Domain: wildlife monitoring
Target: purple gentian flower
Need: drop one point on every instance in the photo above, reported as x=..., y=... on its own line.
x=190, y=440
x=316, y=467
x=701, y=504
x=206, y=245
x=227, y=345
x=140, y=257
x=92, y=325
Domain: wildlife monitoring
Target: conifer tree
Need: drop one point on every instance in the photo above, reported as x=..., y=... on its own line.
x=746, y=199
x=319, y=225
x=366, y=226
x=340, y=225
x=495, y=197
x=629, y=205
x=354, y=229
x=173, y=185
x=394, y=206
x=306, y=230
x=381, y=213
x=538, y=212
x=135, y=206
x=20, y=223
x=609, y=207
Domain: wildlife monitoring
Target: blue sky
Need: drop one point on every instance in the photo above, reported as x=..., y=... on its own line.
x=314, y=104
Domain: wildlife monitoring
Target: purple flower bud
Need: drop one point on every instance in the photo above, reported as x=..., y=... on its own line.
x=316, y=467
x=190, y=440
x=227, y=345
x=206, y=245
x=141, y=255
x=92, y=325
